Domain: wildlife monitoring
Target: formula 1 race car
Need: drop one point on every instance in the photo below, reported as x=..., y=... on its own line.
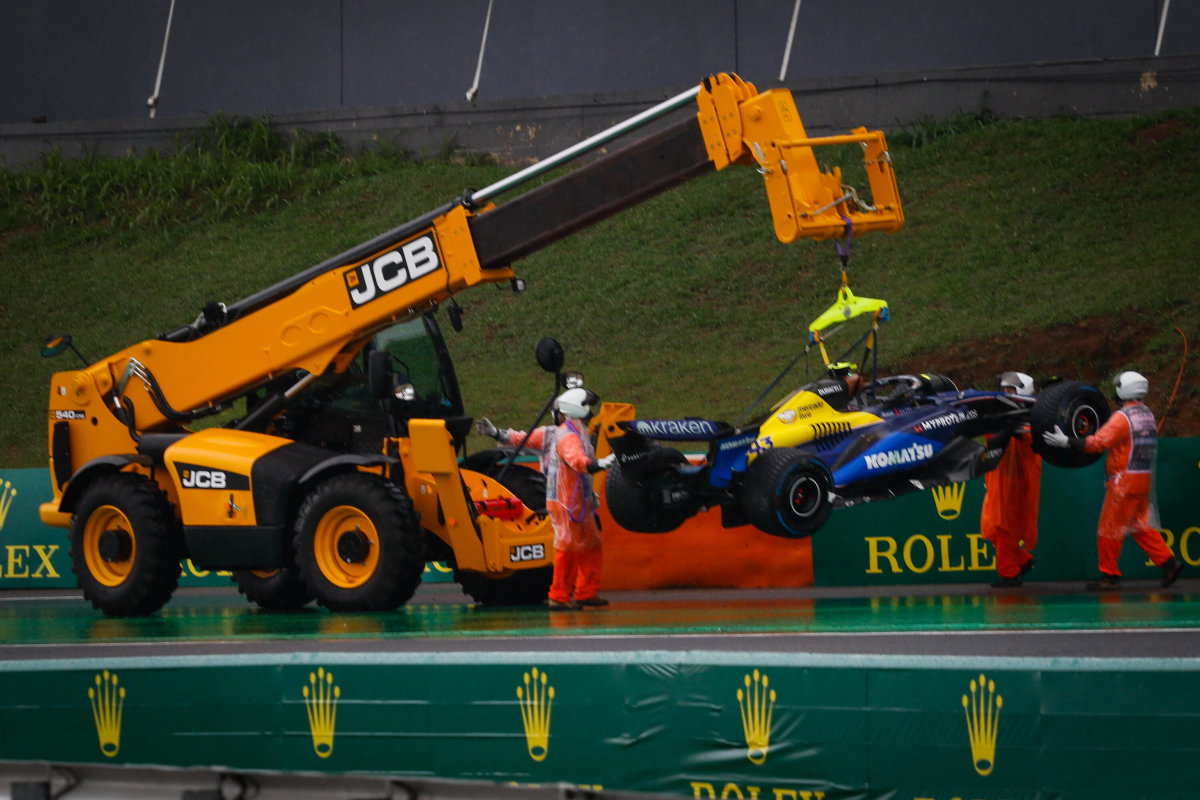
x=834, y=443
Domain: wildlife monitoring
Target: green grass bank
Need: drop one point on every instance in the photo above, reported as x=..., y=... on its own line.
x=1025, y=241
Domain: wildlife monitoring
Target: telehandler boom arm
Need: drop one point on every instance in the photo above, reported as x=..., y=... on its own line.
x=320, y=319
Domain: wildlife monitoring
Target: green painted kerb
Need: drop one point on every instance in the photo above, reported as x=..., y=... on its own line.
x=775, y=726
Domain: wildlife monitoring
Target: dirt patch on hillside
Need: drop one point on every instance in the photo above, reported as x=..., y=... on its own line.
x=1160, y=132
x=1092, y=350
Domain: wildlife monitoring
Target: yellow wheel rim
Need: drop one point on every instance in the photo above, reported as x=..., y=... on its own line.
x=107, y=518
x=264, y=573
x=336, y=523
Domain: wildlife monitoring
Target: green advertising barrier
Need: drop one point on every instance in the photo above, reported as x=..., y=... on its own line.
x=701, y=725
x=34, y=555
x=923, y=537
x=933, y=536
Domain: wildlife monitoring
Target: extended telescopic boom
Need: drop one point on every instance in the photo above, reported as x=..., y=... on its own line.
x=319, y=319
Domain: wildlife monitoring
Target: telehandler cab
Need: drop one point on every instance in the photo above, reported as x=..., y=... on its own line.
x=341, y=478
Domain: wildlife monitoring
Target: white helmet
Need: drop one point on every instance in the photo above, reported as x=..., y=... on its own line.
x=576, y=403
x=1131, y=385
x=1019, y=381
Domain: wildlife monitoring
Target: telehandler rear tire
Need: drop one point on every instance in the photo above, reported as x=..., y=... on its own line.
x=525, y=587
x=126, y=545
x=359, y=544
x=279, y=589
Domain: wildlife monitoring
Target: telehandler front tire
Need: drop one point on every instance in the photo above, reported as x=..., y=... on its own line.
x=359, y=544
x=279, y=589
x=524, y=587
x=126, y=545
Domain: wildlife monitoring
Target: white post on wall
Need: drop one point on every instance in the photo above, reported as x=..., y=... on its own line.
x=787, y=51
x=474, y=90
x=1162, y=26
x=152, y=101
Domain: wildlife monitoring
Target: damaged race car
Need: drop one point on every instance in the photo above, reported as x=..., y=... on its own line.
x=833, y=443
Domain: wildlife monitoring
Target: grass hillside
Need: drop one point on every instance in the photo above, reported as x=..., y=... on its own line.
x=1062, y=246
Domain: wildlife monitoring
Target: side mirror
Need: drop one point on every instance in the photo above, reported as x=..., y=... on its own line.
x=55, y=345
x=379, y=374
x=550, y=356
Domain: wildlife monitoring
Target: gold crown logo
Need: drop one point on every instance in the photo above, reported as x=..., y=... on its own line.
x=948, y=500
x=7, y=493
x=535, y=701
x=983, y=720
x=321, y=703
x=108, y=701
x=757, y=704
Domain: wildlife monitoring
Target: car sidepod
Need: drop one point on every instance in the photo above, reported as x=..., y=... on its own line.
x=928, y=445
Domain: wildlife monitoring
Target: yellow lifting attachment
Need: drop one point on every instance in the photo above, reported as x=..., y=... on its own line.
x=742, y=126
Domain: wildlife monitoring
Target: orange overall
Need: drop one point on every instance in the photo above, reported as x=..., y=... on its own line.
x=566, y=453
x=1131, y=440
x=1010, y=507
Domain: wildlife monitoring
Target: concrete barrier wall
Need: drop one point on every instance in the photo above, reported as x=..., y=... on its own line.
x=520, y=131
x=79, y=59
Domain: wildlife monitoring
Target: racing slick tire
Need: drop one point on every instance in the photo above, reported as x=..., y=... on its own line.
x=359, y=544
x=639, y=509
x=786, y=493
x=125, y=545
x=523, y=587
x=279, y=589
x=1075, y=407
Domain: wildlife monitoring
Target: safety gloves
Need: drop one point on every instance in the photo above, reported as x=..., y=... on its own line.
x=602, y=463
x=484, y=427
x=1056, y=438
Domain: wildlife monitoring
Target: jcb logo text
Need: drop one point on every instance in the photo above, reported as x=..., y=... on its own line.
x=527, y=552
x=203, y=479
x=192, y=476
x=391, y=270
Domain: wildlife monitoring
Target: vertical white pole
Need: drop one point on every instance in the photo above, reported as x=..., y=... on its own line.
x=1162, y=25
x=153, y=101
x=787, y=52
x=487, y=21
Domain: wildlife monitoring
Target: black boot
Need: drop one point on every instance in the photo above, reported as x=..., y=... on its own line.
x=1171, y=570
x=1028, y=566
x=1007, y=583
x=1107, y=583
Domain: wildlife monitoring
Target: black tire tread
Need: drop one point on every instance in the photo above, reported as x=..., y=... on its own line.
x=401, y=558
x=284, y=591
x=759, y=498
x=159, y=538
x=1048, y=412
x=630, y=505
x=525, y=587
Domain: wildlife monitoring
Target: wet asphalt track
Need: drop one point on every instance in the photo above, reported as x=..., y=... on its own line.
x=1043, y=620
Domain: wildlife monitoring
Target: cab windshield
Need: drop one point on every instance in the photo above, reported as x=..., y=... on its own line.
x=419, y=358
